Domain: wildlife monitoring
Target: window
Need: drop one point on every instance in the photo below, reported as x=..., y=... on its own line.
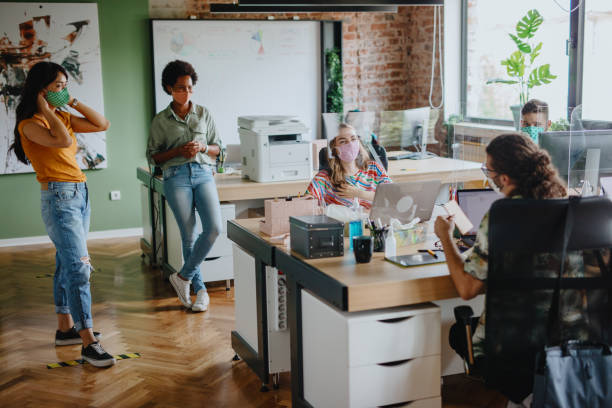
x=597, y=77
x=486, y=42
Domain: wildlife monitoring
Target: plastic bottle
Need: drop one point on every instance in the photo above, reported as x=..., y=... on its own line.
x=390, y=243
x=356, y=224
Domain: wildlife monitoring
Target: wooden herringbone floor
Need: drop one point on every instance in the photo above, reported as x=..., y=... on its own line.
x=186, y=357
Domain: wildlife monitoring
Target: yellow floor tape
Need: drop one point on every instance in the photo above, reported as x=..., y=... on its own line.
x=81, y=361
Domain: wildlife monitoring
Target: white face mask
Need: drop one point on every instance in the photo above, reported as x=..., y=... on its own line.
x=494, y=185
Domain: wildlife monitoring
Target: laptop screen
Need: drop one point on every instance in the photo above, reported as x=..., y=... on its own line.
x=475, y=204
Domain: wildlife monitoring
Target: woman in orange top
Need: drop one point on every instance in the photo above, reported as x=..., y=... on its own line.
x=44, y=137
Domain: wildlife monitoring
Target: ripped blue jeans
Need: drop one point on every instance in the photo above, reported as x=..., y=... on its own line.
x=65, y=212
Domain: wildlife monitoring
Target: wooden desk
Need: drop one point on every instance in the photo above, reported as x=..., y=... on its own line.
x=344, y=284
x=232, y=187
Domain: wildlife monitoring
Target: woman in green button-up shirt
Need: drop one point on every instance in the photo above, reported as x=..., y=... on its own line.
x=184, y=143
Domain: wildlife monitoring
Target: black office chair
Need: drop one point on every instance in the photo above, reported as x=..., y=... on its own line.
x=378, y=149
x=525, y=242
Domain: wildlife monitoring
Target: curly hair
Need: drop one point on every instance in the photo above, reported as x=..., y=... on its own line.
x=528, y=166
x=337, y=175
x=175, y=69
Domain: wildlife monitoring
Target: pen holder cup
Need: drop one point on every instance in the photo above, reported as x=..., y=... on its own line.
x=378, y=236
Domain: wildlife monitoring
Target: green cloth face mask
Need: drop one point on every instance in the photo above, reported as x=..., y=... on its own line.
x=533, y=132
x=58, y=99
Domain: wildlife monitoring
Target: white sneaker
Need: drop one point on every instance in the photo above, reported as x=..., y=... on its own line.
x=182, y=289
x=202, y=301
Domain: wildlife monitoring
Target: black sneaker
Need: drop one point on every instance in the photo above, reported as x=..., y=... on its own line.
x=95, y=355
x=71, y=337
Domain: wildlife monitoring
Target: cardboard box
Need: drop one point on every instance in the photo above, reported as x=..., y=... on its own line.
x=277, y=212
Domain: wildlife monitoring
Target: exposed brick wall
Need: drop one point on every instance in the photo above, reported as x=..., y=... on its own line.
x=386, y=56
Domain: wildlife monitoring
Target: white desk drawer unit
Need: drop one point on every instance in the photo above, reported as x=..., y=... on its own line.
x=219, y=265
x=370, y=359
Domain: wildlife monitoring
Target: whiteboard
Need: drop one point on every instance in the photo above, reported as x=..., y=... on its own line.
x=245, y=67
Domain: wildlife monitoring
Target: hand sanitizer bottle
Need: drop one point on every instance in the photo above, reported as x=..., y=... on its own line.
x=390, y=243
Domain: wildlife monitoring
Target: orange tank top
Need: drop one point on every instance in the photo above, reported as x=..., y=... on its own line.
x=52, y=163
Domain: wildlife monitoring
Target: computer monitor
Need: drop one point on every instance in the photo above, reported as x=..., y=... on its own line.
x=406, y=129
x=365, y=123
x=475, y=203
x=557, y=144
x=606, y=186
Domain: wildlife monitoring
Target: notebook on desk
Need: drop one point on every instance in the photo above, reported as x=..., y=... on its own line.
x=475, y=203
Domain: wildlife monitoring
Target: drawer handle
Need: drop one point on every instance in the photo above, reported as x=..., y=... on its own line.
x=212, y=258
x=395, y=363
x=398, y=405
x=396, y=319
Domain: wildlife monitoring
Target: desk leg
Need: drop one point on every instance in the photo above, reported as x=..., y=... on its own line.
x=262, y=321
x=153, y=252
x=294, y=315
x=257, y=361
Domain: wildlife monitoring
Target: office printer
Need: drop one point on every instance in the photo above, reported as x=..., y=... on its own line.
x=273, y=149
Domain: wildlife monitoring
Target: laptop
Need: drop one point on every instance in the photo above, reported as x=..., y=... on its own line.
x=475, y=203
x=404, y=201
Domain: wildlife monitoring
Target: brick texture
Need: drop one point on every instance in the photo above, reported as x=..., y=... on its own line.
x=386, y=56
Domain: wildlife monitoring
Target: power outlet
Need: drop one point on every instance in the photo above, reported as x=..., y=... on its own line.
x=115, y=195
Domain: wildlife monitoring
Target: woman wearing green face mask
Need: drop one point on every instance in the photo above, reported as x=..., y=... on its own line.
x=44, y=137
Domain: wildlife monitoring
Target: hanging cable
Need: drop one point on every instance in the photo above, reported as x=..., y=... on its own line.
x=437, y=25
x=566, y=10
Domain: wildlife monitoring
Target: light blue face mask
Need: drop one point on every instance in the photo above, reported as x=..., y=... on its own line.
x=533, y=132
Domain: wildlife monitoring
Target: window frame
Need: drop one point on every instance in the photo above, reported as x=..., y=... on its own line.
x=575, y=51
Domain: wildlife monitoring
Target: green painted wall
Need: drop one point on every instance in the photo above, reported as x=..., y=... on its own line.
x=128, y=103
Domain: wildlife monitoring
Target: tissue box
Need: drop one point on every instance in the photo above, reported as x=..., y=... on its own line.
x=277, y=212
x=412, y=235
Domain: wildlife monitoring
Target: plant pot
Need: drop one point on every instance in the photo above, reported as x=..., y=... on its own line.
x=516, y=115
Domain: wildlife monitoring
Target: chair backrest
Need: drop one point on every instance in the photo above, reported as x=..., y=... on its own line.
x=525, y=246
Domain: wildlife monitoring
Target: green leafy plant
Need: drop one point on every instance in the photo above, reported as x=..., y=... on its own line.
x=561, y=124
x=335, y=97
x=520, y=65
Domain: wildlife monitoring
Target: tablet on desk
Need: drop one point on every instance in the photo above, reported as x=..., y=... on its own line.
x=417, y=259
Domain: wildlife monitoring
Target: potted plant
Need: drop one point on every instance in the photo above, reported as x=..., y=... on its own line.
x=520, y=65
x=335, y=99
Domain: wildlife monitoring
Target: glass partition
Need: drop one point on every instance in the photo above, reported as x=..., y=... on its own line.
x=582, y=154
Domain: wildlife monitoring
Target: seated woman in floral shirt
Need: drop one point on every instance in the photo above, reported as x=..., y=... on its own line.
x=351, y=174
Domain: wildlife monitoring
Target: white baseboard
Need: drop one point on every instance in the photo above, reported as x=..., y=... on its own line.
x=44, y=239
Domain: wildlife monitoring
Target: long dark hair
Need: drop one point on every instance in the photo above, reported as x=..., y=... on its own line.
x=39, y=76
x=527, y=165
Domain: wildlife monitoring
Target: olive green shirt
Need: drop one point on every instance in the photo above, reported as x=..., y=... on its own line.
x=169, y=131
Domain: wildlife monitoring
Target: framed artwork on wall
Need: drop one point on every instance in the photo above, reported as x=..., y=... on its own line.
x=64, y=33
